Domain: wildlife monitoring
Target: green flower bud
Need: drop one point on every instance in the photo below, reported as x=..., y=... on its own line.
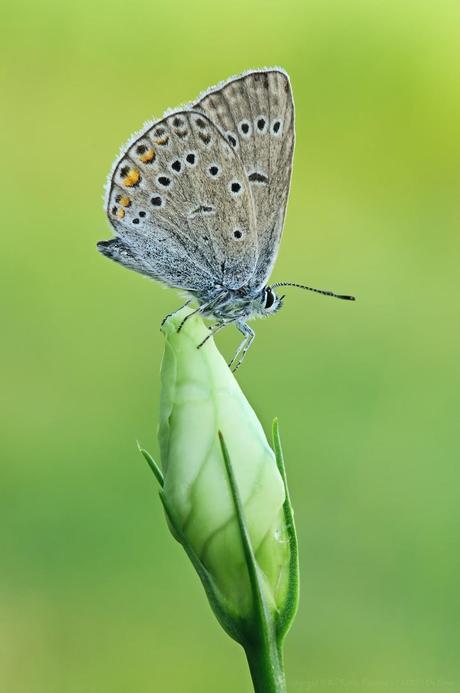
x=200, y=398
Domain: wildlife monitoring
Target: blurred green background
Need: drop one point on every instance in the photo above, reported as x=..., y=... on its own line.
x=95, y=596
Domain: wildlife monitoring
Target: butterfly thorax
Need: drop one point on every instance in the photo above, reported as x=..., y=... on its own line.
x=230, y=305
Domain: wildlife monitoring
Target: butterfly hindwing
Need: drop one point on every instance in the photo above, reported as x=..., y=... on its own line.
x=179, y=199
x=255, y=112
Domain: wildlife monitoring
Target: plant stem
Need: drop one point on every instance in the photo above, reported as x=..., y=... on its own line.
x=265, y=660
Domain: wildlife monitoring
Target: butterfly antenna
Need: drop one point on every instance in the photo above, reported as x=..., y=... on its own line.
x=316, y=291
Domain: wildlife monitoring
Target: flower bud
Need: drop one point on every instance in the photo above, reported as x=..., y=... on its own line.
x=200, y=398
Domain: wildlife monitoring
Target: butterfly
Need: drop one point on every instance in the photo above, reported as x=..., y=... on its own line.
x=197, y=200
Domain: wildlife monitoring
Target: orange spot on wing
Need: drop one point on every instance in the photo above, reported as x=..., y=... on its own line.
x=120, y=213
x=163, y=140
x=132, y=178
x=125, y=201
x=148, y=157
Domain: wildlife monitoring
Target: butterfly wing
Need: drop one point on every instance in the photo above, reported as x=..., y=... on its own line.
x=181, y=207
x=255, y=111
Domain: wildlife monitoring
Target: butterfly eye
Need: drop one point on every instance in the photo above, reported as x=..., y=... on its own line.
x=269, y=298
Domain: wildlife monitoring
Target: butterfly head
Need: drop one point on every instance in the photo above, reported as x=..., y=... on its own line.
x=270, y=301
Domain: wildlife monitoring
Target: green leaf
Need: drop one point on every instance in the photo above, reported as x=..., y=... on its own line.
x=153, y=465
x=292, y=599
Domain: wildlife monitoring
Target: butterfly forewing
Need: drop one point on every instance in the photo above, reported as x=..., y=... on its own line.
x=179, y=199
x=256, y=114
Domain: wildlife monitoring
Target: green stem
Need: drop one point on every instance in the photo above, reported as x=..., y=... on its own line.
x=265, y=660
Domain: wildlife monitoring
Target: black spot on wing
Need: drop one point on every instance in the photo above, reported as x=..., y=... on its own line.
x=257, y=178
x=202, y=208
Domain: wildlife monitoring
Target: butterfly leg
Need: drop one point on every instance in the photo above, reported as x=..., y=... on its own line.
x=201, y=309
x=213, y=331
x=169, y=315
x=249, y=336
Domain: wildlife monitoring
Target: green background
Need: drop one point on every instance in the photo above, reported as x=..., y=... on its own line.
x=95, y=596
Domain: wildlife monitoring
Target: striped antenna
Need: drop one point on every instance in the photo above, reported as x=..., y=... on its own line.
x=317, y=291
